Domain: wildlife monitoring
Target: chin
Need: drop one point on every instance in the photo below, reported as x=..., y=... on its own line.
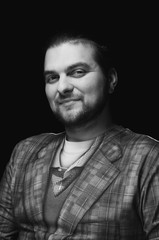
x=76, y=119
x=79, y=116
x=71, y=119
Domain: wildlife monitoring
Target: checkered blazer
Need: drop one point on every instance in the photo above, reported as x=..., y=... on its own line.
x=115, y=197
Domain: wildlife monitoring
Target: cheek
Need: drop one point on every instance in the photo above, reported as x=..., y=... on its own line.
x=94, y=84
x=50, y=91
x=94, y=92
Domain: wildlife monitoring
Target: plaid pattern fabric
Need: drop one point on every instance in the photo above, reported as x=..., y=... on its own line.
x=115, y=197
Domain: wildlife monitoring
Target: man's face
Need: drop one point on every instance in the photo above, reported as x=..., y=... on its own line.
x=75, y=84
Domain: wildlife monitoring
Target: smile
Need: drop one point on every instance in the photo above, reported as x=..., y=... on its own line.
x=68, y=101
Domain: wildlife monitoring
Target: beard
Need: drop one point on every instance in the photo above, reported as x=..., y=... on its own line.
x=77, y=117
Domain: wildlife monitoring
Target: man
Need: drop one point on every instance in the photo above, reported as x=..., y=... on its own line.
x=96, y=180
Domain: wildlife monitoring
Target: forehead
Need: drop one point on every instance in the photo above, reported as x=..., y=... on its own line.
x=67, y=54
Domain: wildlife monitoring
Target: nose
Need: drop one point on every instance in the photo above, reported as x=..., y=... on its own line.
x=64, y=85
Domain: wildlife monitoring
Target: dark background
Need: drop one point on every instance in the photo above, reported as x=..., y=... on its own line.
x=133, y=33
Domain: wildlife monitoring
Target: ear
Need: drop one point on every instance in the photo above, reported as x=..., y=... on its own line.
x=113, y=79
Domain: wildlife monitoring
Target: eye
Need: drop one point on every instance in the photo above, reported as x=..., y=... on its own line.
x=51, y=78
x=77, y=73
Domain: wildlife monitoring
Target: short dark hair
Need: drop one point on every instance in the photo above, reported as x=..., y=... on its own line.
x=102, y=52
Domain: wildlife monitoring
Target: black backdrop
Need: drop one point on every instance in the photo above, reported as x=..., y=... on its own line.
x=133, y=32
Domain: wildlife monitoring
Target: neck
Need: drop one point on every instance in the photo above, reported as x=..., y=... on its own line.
x=90, y=130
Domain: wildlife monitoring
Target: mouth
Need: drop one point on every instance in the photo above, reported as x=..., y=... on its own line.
x=68, y=101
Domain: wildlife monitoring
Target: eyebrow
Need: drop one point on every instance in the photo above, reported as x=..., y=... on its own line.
x=69, y=68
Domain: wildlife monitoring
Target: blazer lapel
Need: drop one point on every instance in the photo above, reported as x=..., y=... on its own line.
x=96, y=177
x=36, y=177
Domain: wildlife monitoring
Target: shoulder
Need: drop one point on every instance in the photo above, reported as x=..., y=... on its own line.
x=39, y=139
x=33, y=144
x=142, y=142
x=132, y=140
x=134, y=147
x=138, y=149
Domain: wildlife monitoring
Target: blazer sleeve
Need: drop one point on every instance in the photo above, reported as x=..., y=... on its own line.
x=8, y=227
x=149, y=199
